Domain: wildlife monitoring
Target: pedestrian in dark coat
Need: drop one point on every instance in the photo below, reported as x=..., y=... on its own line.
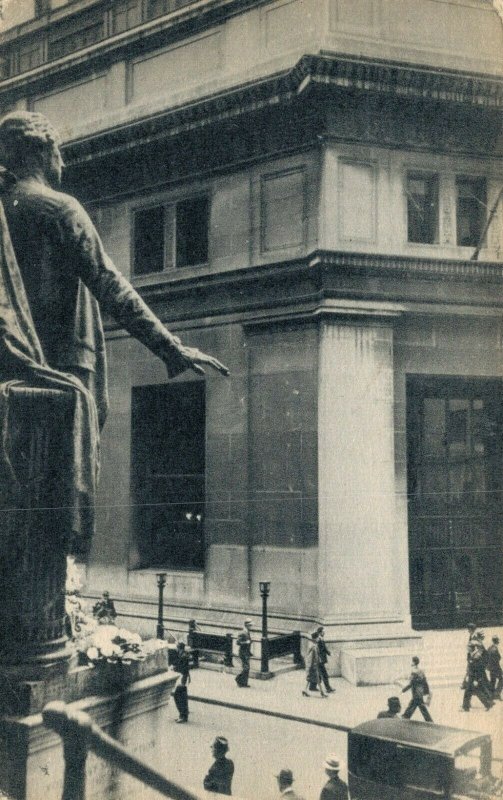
x=180, y=695
x=244, y=652
x=494, y=668
x=335, y=788
x=313, y=678
x=472, y=636
x=420, y=689
x=219, y=776
x=476, y=680
x=323, y=652
x=394, y=708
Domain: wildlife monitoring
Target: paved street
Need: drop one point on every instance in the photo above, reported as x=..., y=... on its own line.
x=262, y=741
x=259, y=745
x=348, y=706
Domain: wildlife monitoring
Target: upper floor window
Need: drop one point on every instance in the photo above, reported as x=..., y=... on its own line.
x=126, y=15
x=76, y=33
x=422, y=208
x=471, y=207
x=30, y=55
x=171, y=235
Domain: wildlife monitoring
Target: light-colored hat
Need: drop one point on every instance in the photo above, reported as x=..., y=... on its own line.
x=333, y=763
x=248, y=621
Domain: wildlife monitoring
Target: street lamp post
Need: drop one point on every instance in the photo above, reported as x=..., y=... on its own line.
x=161, y=583
x=264, y=593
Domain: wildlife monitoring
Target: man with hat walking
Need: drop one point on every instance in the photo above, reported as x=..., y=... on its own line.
x=476, y=681
x=219, y=776
x=323, y=653
x=244, y=652
x=335, y=788
x=285, y=780
x=494, y=668
x=420, y=689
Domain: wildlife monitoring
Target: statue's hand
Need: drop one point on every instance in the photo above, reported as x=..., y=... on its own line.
x=197, y=361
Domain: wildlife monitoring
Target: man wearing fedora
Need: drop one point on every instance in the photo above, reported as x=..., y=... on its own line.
x=494, y=668
x=219, y=776
x=244, y=652
x=323, y=653
x=285, y=781
x=335, y=788
x=420, y=690
x=394, y=708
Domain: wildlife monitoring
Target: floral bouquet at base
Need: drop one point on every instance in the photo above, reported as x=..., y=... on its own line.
x=111, y=645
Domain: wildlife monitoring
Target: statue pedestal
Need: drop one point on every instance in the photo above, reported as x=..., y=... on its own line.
x=31, y=755
x=35, y=525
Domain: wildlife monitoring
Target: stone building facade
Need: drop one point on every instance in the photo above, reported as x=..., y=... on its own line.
x=298, y=187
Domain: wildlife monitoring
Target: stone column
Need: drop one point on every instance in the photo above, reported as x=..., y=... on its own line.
x=34, y=528
x=358, y=556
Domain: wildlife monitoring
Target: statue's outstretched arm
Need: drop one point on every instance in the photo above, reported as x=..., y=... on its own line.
x=118, y=298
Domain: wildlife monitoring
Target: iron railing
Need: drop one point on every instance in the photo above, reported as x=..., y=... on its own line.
x=81, y=735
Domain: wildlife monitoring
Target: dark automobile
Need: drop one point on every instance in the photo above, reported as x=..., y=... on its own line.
x=397, y=759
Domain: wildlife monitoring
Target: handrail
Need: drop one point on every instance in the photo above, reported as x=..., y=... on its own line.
x=80, y=734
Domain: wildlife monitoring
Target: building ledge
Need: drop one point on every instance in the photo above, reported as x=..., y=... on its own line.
x=329, y=70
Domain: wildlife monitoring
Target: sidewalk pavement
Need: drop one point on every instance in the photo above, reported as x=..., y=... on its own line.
x=346, y=707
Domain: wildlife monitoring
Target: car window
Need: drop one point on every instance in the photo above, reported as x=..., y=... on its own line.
x=422, y=769
x=375, y=760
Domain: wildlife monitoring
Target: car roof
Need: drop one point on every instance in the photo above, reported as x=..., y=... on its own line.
x=421, y=735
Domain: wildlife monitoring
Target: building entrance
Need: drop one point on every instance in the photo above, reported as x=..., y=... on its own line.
x=455, y=514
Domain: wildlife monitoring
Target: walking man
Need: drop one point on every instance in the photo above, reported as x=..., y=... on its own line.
x=285, y=781
x=219, y=776
x=244, y=645
x=180, y=695
x=494, y=668
x=476, y=680
x=323, y=653
x=420, y=690
x=335, y=788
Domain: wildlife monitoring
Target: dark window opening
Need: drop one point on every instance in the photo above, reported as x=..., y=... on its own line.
x=192, y=232
x=470, y=210
x=168, y=469
x=422, y=208
x=149, y=240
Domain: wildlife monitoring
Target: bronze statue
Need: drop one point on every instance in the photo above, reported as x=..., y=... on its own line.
x=54, y=276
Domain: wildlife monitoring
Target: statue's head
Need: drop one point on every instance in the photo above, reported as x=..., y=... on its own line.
x=29, y=145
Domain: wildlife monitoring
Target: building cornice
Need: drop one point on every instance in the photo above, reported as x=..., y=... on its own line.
x=343, y=73
x=410, y=266
x=309, y=286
